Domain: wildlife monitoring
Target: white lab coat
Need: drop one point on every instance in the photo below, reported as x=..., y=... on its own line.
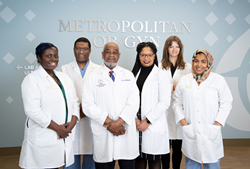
x=175, y=130
x=155, y=99
x=201, y=106
x=83, y=142
x=43, y=101
x=101, y=98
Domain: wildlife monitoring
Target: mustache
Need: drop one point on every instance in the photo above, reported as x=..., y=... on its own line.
x=111, y=57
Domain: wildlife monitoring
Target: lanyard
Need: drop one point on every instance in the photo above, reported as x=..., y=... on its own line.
x=64, y=96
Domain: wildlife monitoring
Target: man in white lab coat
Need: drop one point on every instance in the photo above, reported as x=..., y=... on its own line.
x=111, y=100
x=78, y=70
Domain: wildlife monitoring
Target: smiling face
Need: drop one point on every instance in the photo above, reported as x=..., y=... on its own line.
x=82, y=51
x=111, y=55
x=146, y=57
x=49, y=59
x=200, y=64
x=174, y=49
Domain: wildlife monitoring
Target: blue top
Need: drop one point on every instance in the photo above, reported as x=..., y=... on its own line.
x=84, y=70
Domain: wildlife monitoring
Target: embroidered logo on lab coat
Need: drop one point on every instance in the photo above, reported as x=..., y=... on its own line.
x=213, y=88
x=49, y=87
x=100, y=83
x=188, y=87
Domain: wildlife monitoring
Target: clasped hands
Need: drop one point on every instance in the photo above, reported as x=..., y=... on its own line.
x=141, y=125
x=63, y=130
x=115, y=126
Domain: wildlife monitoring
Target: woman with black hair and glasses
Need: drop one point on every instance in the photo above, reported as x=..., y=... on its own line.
x=52, y=110
x=155, y=93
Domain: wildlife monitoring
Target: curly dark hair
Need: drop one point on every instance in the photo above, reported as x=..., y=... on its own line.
x=139, y=48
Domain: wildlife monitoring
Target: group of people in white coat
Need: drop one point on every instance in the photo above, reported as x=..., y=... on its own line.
x=107, y=113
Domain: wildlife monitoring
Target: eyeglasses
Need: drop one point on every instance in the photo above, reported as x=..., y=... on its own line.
x=146, y=55
x=79, y=49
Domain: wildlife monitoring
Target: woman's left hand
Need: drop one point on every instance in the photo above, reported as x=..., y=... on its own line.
x=143, y=126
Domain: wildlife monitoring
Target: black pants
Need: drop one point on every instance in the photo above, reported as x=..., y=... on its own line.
x=176, y=155
x=123, y=164
x=141, y=163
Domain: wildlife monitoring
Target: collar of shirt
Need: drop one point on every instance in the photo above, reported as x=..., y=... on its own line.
x=83, y=71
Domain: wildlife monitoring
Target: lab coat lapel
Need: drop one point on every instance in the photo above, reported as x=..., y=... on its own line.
x=103, y=73
x=47, y=76
x=151, y=76
x=176, y=75
x=118, y=75
x=75, y=68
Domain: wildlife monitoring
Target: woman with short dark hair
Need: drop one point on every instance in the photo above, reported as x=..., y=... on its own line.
x=52, y=110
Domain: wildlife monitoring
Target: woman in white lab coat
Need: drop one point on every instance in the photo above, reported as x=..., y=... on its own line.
x=52, y=110
x=173, y=63
x=155, y=94
x=202, y=104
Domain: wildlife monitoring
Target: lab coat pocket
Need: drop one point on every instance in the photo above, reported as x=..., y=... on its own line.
x=97, y=129
x=214, y=132
x=45, y=137
x=188, y=132
x=100, y=146
x=159, y=142
x=146, y=140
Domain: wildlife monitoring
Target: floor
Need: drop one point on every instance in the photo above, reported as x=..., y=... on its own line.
x=235, y=158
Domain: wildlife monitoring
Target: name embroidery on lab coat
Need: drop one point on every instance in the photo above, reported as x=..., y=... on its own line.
x=125, y=79
x=100, y=83
x=49, y=87
x=188, y=87
x=214, y=88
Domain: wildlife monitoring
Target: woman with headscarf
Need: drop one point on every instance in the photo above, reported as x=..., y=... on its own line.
x=202, y=104
x=155, y=93
x=173, y=63
x=52, y=110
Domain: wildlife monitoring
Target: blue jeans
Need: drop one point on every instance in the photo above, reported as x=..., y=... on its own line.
x=87, y=163
x=195, y=165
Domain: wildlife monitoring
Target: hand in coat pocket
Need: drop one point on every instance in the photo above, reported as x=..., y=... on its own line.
x=188, y=131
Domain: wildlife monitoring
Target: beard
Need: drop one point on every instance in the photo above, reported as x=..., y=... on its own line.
x=110, y=65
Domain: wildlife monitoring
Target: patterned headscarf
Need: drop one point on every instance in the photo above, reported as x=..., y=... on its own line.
x=205, y=74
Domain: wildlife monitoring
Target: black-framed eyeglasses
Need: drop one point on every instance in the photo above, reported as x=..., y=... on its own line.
x=79, y=49
x=146, y=55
